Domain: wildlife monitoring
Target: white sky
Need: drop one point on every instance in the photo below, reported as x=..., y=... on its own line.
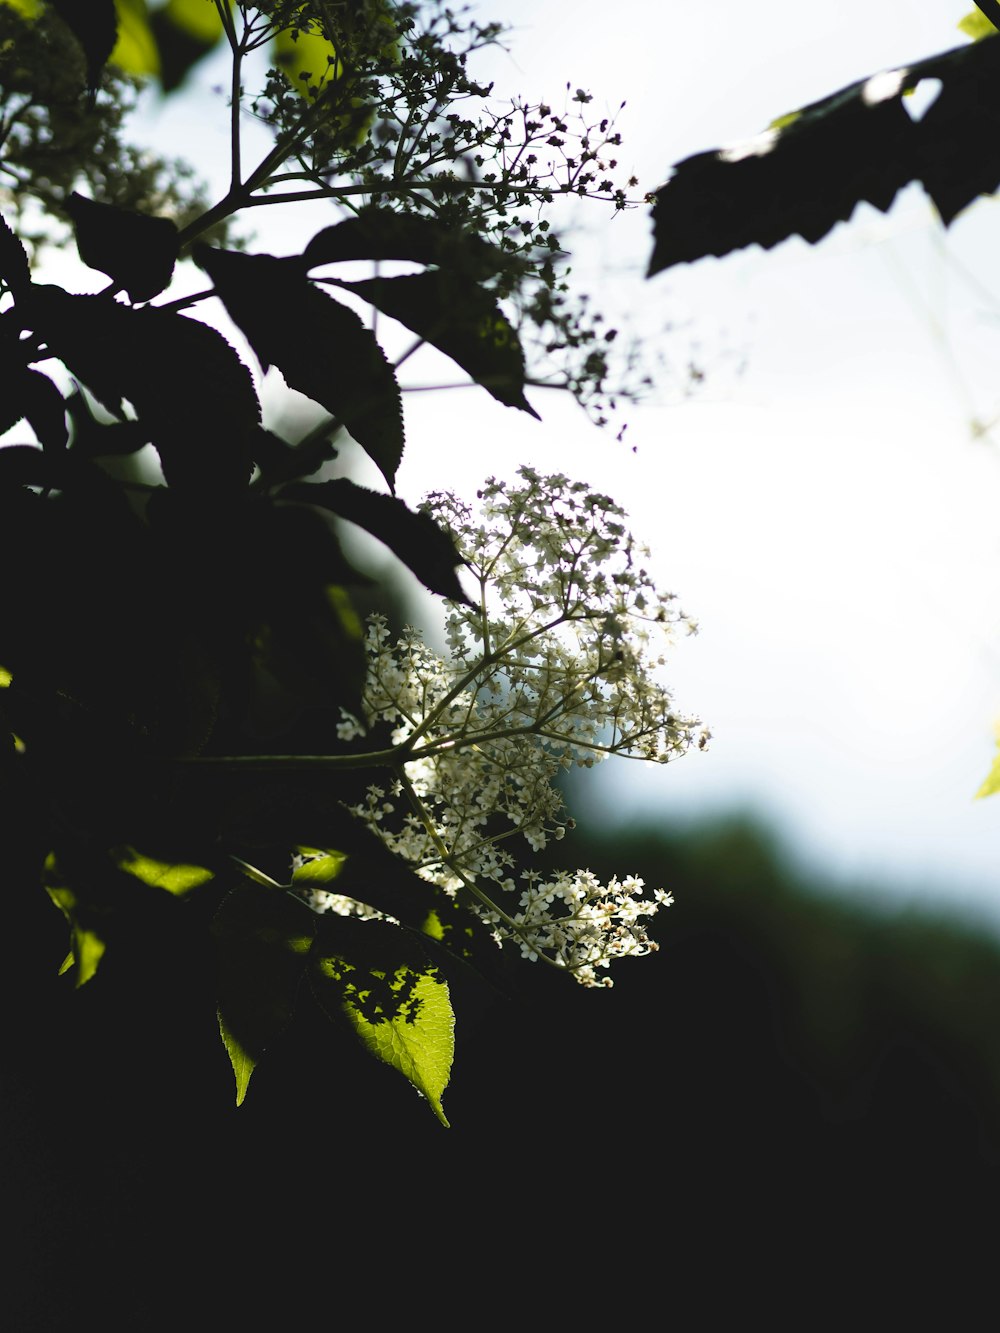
x=827, y=514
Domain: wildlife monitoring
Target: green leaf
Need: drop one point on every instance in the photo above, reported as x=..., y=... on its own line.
x=136, y=251
x=461, y=320
x=86, y=938
x=264, y=938
x=991, y=783
x=317, y=866
x=392, y=997
x=858, y=145
x=425, y=548
x=976, y=26
x=135, y=51
x=322, y=348
x=175, y=878
x=185, y=31
x=983, y=21
x=307, y=60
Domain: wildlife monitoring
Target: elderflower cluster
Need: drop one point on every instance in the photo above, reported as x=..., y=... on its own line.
x=552, y=664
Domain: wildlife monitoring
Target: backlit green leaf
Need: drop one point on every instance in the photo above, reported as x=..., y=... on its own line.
x=175, y=878
x=396, y=1001
x=977, y=25
x=317, y=867
x=135, y=51
x=185, y=32
x=991, y=783
x=87, y=942
x=306, y=59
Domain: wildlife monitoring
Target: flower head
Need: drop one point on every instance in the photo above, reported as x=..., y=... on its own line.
x=553, y=664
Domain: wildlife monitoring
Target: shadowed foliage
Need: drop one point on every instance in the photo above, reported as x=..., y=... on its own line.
x=812, y=168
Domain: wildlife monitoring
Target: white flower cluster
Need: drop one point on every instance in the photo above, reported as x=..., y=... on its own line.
x=552, y=665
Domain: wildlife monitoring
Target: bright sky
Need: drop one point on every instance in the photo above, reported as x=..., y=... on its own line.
x=826, y=512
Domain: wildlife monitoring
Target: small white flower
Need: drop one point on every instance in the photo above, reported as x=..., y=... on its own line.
x=553, y=666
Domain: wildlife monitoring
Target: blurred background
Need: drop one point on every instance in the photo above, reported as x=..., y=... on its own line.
x=800, y=1092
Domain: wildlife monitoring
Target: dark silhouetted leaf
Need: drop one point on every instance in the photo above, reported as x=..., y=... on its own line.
x=14, y=269
x=379, y=233
x=280, y=461
x=413, y=536
x=461, y=320
x=28, y=394
x=135, y=251
x=25, y=465
x=264, y=937
x=95, y=439
x=322, y=348
x=810, y=171
x=45, y=409
x=192, y=394
x=94, y=24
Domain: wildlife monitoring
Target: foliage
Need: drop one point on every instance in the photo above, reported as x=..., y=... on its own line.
x=201, y=736
x=812, y=167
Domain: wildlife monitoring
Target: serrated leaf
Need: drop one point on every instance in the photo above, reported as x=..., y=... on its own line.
x=175, y=878
x=397, y=1003
x=424, y=547
x=380, y=234
x=194, y=397
x=322, y=348
x=461, y=320
x=264, y=938
x=14, y=268
x=136, y=251
x=859, y=145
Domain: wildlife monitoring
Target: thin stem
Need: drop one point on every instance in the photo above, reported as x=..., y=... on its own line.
x=291, y=763
x=235, y=97
x=446, y=858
